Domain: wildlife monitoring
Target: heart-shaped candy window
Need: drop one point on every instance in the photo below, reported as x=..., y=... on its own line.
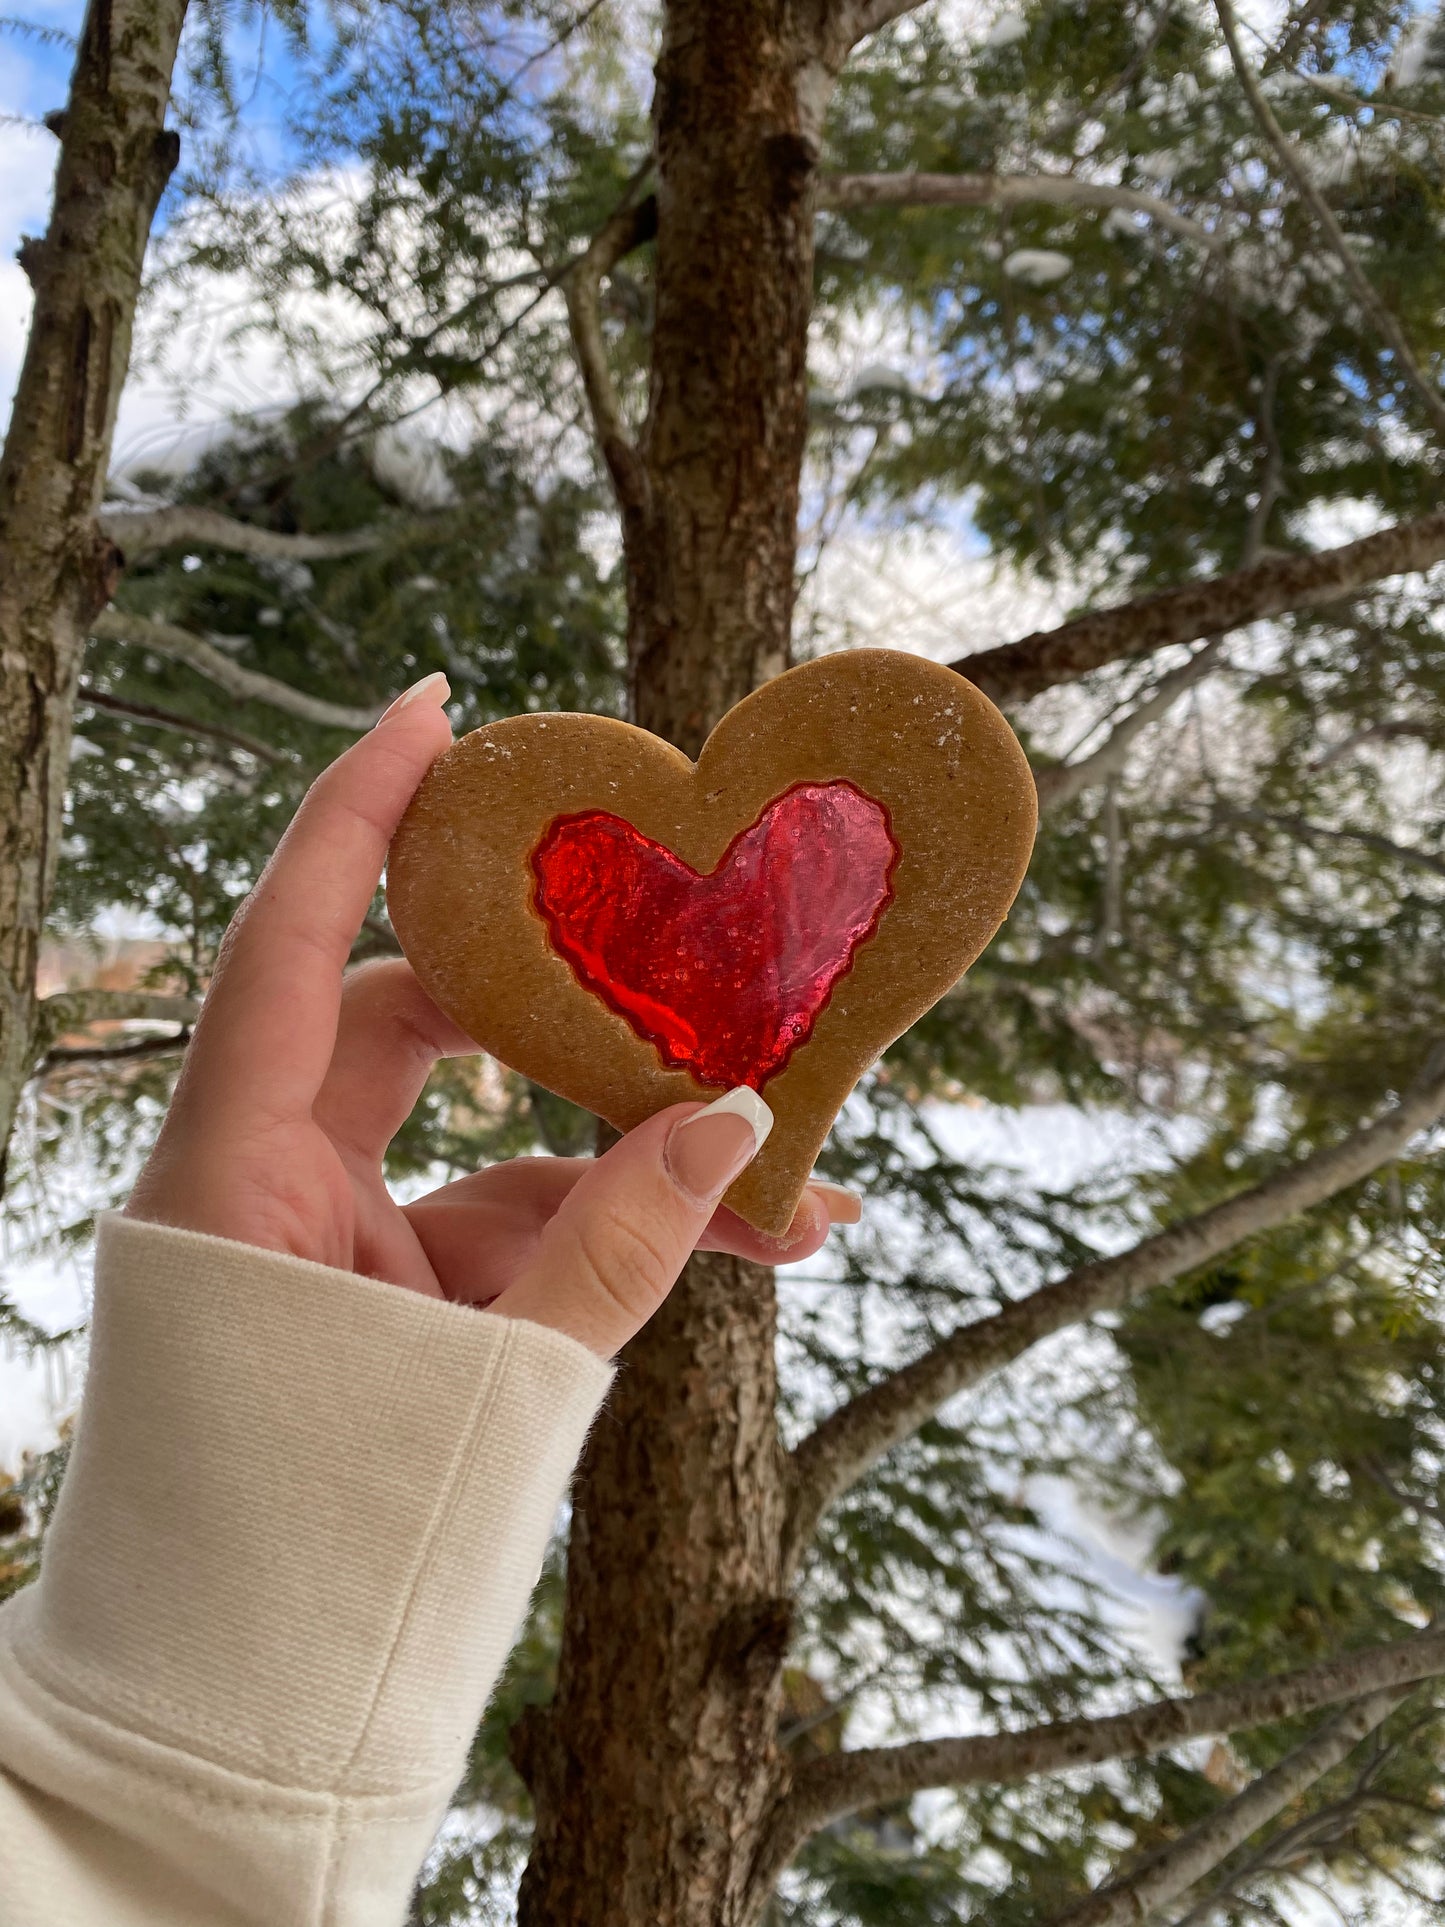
x=725, y=973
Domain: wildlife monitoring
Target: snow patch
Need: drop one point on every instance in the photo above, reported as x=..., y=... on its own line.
x=1037, y=267
x=1006, y=31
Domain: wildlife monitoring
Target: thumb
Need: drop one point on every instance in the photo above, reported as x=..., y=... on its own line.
x=615, y=1248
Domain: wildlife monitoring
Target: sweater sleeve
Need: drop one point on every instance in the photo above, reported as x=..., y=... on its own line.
x=302, y=1518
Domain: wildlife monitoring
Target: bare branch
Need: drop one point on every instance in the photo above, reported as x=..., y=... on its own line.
x=870, y=16
x=72, y=1010
x=1064, y=781
x=113, y=1053
x=137, y=532
x=840, y=1783
x=1370, y=305
x=1425, y=728
x=1003, y=190
x=250, y=685
x=1271, y=479
x=1174, y=1869
x=69, y=1010
x=1014, y=671
x=628, y=228
x=837, y=1453
x=87, y=694
x=1306, y=832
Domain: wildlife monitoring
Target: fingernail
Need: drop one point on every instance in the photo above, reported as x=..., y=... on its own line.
x=432, y=689
x=706, y=1151
x=842, y=1205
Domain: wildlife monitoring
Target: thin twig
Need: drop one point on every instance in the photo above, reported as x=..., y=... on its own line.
x=1061, y=783
x=88, y=696
x=1370, y=304
x=1271, y=479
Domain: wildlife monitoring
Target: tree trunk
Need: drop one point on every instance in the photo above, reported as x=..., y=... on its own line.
x=654, y=1769
x=56, y=568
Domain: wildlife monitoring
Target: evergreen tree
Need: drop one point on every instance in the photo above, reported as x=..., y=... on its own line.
x=1162, y=300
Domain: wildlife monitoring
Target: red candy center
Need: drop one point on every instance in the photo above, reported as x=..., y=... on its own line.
x=726, y=973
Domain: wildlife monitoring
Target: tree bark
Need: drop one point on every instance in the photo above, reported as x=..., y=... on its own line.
x=655, y=1768
x=56, y=567
x=711, y=548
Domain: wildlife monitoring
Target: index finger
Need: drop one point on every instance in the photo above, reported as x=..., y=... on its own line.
x=269, y=1021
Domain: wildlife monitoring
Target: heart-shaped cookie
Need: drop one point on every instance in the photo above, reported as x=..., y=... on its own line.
x=630, y=929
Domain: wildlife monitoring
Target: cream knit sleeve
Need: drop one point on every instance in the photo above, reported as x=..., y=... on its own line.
x=301, y=1521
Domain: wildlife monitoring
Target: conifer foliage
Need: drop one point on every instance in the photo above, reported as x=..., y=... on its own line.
x=606, y=332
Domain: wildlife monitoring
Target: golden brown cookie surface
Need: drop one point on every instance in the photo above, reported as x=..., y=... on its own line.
x=630, y=929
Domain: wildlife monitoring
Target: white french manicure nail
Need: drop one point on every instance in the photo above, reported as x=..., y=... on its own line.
x=707, y=1150
x=831, y=1190
x=434, y=687
x=744, y=1102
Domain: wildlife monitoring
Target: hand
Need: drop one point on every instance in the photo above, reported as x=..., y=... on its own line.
x=297, y=1079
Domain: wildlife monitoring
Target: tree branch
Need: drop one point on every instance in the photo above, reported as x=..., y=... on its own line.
x=72, y=1010
x=87, y=695
x=137, y=532
x=870, y=16
x=1003, y=190
x=250, y=685
x=629, y=227
x=840, y=1783
x=1062, y=782
x=836, y=1454
x=1015, y=671
x=69, y=1010
x=1304, y=831
x=1174, y=1869
x=1370, y=304
x=1425, y=728
x=113, y=1053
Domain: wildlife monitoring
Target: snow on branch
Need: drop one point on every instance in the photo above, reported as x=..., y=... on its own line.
x=1002, y=190
x=836, y=1454
x=1015, y=671
x=250, y=685
x=141, y=531
x=1171, y=1871
x=836, y=1784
